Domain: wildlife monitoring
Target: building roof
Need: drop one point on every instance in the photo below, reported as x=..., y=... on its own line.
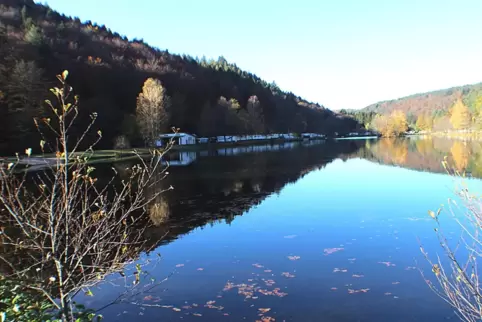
x=175, y=135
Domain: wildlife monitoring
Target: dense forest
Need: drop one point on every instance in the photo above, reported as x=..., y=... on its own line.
x=206, y=97
x=456, y=108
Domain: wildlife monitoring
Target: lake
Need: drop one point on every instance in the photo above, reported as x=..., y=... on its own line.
x=320, y=231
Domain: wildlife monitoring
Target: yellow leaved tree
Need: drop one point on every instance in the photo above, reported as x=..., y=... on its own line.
x=391, y=125
x=461, y=118
x=424, y=122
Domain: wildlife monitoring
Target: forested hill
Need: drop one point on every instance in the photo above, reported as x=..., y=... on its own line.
x=434, y=103
x=456, y=108
x=107, y=70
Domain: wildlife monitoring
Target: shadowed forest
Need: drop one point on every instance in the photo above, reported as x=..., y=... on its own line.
x=206, y=97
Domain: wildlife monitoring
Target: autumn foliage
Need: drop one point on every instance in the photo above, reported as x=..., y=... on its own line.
x=424, y=122
x=461, y=118
x=391, y=125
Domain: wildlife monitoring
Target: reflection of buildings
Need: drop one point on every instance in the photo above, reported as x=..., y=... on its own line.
x=221, y=188
x=180, y=158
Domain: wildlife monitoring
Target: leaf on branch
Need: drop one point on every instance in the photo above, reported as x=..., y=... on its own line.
x=65, y=74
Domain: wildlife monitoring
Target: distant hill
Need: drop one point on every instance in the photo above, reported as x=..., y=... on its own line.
x=431, y=111
x=435, y=102
x=208, y=97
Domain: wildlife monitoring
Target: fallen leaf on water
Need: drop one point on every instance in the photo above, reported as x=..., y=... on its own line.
x=179, y=265
x=195, y=305
x=287, y=274
x=210, y=302
x=329, y=251
x=352, y=259
x=258, y=265
x=267, y=271
x=269, y=282
x=290, y=236
x=387, y=264
x=363, y=290
x=266, y=319
x=388, y=293
x=197, y=314
x=395, y=283
x=409, y=268
x=225, y=314
x=293, y=258
x=334, y=288
x=176, y=309
x=342, y=270
x=264, y=310
x=357, y=276
x=148, y=298
x=200, y=269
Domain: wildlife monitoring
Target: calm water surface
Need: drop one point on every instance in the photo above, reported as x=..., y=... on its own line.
x=327, y=232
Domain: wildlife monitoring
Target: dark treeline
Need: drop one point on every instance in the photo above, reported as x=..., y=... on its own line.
x=206, y=97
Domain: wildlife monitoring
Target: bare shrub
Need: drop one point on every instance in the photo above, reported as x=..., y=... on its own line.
x=64, y=230
x=457, y=271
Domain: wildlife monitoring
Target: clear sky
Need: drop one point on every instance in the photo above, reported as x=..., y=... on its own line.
x=339, y=53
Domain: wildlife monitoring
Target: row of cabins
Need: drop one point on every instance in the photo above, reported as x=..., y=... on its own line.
x=191, y=139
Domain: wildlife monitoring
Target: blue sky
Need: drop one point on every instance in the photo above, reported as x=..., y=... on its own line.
x=342, y=54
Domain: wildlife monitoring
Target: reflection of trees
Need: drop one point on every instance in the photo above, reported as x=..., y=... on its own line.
x=424, y=146
x=215, y=189
x=460, y=155
x=392, y=151
x=426, y=154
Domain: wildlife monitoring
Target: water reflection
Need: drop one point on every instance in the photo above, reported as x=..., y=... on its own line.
x=304, y=233
x=298, y=231
x=220, y=184
x=426, y=154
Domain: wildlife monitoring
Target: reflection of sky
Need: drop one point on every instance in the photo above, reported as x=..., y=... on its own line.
x=376, y=213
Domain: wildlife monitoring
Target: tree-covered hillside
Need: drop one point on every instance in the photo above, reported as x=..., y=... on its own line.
x=456, y=108
x=206, y=97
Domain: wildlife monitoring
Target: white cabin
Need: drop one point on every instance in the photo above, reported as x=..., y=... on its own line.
x=178, y=138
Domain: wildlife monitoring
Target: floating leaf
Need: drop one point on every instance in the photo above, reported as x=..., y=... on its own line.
x=329, y=251
x=289, y=236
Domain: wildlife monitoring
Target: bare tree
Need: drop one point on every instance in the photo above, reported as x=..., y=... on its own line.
x=152, y=110
x=256, y=117
x=64, y=231
x=457, y=271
